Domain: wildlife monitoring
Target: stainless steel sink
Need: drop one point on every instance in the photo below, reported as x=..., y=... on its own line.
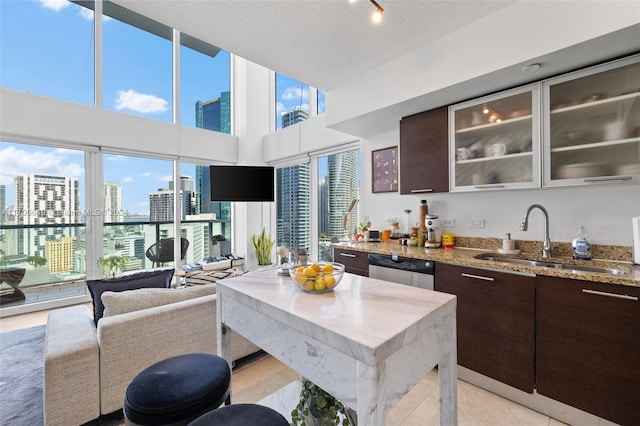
x=558, y=265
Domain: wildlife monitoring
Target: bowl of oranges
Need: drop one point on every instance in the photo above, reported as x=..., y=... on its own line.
x=318, y=277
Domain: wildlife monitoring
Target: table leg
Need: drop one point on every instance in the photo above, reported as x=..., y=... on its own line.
x=448, y=379
x=223, y=340
x=370, y=397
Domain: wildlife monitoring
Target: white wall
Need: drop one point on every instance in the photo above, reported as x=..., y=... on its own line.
x=605, y=210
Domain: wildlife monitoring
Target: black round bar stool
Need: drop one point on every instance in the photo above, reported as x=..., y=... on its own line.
x=241, y=415
x=177, y=390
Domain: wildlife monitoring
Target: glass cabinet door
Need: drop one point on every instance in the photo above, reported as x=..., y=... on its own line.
x=494, y=141
x=592, y=126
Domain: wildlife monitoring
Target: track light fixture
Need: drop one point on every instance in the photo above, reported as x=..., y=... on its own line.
x=376, y=17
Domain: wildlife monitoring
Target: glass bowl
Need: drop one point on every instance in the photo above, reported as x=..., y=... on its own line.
x=317, y=277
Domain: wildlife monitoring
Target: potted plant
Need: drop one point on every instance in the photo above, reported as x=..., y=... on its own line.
x=317, y=407
x=223, y=248
x=263, y=244
x=301, y=256
x=112, y=263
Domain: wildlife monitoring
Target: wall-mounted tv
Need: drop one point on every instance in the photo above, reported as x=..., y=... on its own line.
x=242, y=183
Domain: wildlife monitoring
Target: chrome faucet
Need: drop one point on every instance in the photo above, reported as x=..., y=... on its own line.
x=546, y=244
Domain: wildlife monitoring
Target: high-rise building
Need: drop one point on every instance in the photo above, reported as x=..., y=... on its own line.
x=59, y=254
x=342, y=186
x=161, y=205
x=113, y=202
x=294, y=115
x=293, y=206
x=188, y=196
x=45, y=200
x=212, y=115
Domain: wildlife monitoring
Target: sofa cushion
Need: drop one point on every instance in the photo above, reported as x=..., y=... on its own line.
x=116, y=303
x=158, y=278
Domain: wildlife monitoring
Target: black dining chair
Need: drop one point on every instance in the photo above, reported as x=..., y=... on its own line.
x=162, y=251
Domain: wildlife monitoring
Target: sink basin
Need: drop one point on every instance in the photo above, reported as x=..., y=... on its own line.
x=558, y=265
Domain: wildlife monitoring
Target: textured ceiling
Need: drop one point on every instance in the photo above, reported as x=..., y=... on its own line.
x=320, y=42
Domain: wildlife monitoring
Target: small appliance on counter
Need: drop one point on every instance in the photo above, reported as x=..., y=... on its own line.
x=372, y=236
x=434, y=231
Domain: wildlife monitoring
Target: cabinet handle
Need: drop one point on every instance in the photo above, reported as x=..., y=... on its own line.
x=489, y=186
x=478, y=277
x=606, y=179
x=422, y=190
x=347, y=255
x=603, y=293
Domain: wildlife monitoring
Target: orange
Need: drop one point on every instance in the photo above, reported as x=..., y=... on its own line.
x=327, y=268
x=300, y=269
x=309, y=286
x=300, y=278
x=315, y=267
x=310, y=272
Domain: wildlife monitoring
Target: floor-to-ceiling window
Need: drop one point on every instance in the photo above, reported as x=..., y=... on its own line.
x=205, y=94
x=338, y=184
x=48, y=49
x=138, y=207
x=205, y=223
x=136, y=64
x=42, y=221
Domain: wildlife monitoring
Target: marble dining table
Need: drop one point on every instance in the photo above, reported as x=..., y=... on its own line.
x=367, y=343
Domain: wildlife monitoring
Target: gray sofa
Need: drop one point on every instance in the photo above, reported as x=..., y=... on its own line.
x=87, y=367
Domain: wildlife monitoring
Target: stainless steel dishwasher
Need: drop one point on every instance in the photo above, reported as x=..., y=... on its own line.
x=403, y=270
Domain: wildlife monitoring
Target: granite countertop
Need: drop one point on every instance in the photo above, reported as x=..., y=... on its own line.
x=466, y=256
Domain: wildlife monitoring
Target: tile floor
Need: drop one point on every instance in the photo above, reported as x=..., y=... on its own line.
x=258, y=378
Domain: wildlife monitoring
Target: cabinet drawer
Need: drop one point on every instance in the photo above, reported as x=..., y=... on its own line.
x=495, y=322
x=588, y=346
x=355, y=262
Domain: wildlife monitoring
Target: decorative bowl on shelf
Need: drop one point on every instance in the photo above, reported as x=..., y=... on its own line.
x=318, y=277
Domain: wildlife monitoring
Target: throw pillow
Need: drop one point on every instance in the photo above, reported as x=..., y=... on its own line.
x=144, y=298
x=158, y=278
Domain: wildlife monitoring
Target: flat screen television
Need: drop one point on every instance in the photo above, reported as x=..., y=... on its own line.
x=241, y=183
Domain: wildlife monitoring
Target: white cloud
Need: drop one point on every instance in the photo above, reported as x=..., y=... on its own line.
x=166, y=178
x=115, y=157
x=56, y=5
x=294, y=93
x=15, y=161
x=127, y=179
x=143, y=204
x=140, y=102
x=146, y=174
x=280, y=109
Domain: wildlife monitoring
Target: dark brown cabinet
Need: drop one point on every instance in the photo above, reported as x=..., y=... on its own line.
x=495, y=322
x=588, y=346
x=424, y=147
x=355, y=262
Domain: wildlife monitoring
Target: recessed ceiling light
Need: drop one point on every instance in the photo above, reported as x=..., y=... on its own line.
x=531, y=67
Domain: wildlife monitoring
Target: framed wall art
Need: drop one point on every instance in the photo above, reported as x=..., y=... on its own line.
x=384, y=170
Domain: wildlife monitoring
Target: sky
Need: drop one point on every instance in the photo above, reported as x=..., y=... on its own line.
x=46, y=48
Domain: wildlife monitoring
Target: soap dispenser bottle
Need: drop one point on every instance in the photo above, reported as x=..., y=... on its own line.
x=580, y=244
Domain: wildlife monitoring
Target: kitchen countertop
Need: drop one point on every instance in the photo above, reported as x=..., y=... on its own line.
x=466, y=257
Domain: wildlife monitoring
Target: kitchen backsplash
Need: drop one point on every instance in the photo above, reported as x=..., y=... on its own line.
x=559, y=249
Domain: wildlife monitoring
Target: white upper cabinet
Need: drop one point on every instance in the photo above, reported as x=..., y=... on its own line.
x=494, y=141
x=592, y=125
